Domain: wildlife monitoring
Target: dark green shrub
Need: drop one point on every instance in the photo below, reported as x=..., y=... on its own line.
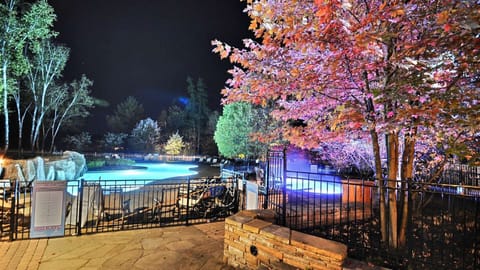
x=95, y=163
x=119, y=162
x=110, y=162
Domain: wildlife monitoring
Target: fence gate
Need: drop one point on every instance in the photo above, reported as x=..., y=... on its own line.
x=275, y=186
x=15, y=205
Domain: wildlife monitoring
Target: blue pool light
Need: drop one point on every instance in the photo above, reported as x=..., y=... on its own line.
x=314, y=186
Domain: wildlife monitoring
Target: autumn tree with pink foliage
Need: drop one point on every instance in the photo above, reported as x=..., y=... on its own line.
x=354, y=69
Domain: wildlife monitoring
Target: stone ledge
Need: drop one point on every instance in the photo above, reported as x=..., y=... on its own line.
x=319, y=245
x=248, y=213
x=278, y=233
x=238, y=220
x=256, y=225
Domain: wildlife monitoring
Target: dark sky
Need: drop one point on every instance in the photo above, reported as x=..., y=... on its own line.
x=147, y=48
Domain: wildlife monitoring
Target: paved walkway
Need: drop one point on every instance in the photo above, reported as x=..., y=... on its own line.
x=196, y=247
x=186, y=247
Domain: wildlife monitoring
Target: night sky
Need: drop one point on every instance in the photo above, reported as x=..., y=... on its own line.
x=147, y=48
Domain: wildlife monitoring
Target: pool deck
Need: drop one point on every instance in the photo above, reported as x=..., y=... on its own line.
x=183, y=247
x=180, y=247
x=196, y=247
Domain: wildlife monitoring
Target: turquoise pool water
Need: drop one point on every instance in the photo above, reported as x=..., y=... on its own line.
x=133, y=179
x=153, y=171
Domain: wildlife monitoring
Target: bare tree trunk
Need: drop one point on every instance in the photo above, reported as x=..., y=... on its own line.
x=406, y=175
x=21, y=120
x=392, y=143
x=5, y=107
x=20, y=131
x=43, y=136
x=32, y=128
x=380, y=183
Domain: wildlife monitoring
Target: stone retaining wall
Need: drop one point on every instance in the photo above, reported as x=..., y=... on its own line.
x=253, y=241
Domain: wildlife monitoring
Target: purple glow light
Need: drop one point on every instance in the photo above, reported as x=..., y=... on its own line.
x=314, y=186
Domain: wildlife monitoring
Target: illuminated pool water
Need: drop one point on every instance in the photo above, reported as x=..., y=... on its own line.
x=129, y=180
x=312, y=186
x=153, y=171
x=314, y=183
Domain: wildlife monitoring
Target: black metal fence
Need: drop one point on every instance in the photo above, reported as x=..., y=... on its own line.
x=461, y=174
x=112, y=205
x=442, y=224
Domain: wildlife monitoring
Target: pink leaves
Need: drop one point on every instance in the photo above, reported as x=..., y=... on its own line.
x=422, y=99
x=221, y=48
x=388, y=65
x=410, y=90
x=249, y=43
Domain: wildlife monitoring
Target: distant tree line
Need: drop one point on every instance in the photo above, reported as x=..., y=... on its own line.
x=185, y=127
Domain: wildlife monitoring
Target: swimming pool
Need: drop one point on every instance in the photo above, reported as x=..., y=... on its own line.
x=133, y=179
x=152, y=171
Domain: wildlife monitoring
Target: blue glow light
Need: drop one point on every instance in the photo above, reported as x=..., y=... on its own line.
x=183, y=100
x=314, y=186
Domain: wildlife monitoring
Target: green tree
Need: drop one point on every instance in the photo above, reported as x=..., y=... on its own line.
x=208, y=143
x=19, y=27
x=126, y=115
x=162, y=119
x=145, y=135
x=176, y=120
x=174, y=144
x=197, y=112
x=79, y=142
x=234, y=131
x=114, y=141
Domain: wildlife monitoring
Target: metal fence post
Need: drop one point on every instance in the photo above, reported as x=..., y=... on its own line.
x=267, y=181
x=80, y=206
x=187, y=217
x=240, y=193
x=476, y=227
x=409, y=218
x=284, y=188
x=13, y=215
